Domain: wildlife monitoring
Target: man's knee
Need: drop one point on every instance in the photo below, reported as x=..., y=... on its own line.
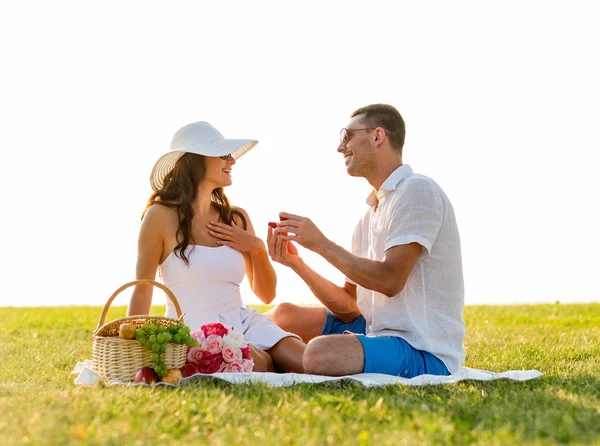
x=315, y=359
x=334, y=355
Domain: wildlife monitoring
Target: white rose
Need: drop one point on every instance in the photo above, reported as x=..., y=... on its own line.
x=233, y=339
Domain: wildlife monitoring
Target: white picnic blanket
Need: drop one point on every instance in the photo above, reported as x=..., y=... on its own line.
x=86, y=376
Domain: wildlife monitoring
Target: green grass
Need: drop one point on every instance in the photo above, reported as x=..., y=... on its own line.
x=41, y=405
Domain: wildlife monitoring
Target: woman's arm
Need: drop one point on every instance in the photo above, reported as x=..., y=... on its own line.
x=150, y=249
x=341, y=301
x=259, y=269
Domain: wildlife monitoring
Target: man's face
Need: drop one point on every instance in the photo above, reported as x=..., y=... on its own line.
x=358, y=150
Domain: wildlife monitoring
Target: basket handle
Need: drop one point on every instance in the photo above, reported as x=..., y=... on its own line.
x=140, y=282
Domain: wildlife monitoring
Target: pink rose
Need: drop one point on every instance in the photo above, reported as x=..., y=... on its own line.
x=213, y=344
x=211, y=363
x=198, y=335
x=248, y=365
x=215, y=328
x=195, y=354
x=246, y=353
x=233, y=367
x=231, y=354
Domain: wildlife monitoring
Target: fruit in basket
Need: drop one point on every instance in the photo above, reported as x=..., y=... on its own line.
x=189, y=369
x=127, y=330
x=155, y=338
x=173, y=376
x=146, y=375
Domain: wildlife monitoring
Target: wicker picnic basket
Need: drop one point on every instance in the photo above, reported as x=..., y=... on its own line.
x=117, y=359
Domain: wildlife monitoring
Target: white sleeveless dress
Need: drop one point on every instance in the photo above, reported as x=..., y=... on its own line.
x=208, y=290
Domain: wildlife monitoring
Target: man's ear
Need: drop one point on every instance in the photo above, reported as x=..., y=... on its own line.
x=379, y=135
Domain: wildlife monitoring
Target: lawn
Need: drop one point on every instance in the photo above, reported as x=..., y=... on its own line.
x=41, y=405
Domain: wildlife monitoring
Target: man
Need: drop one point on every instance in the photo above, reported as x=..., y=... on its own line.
x=400, y=311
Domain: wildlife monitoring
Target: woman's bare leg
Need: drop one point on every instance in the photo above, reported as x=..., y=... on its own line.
x=306, y=322
x=262, y=360
x=287, y=355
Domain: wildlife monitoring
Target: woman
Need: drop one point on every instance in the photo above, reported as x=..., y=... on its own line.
x=202, y=246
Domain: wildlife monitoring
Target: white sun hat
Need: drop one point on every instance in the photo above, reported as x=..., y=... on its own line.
x=200, y=138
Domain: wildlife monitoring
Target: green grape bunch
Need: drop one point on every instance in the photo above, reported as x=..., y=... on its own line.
x=155, y=338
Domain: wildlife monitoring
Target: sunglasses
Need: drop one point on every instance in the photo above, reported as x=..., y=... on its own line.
x=224, y=157
x=346, y=134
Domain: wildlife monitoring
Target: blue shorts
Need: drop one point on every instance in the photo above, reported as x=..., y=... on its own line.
x=334, y=325
x=390, y=355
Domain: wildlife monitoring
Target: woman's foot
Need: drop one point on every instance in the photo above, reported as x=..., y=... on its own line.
x=262, y=360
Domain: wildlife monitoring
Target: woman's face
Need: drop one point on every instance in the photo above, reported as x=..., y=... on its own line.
x=218, y=171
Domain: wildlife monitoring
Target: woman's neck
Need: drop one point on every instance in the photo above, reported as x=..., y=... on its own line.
x=203, y=203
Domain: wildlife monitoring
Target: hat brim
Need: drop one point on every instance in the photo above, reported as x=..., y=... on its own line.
x=166, y=163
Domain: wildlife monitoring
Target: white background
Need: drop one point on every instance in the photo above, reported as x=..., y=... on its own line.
x=501, y=103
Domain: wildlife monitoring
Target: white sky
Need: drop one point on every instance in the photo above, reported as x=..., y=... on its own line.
x=501, y=102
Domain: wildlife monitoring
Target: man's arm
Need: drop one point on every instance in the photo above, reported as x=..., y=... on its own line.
x=387, y=277
x=415, y=219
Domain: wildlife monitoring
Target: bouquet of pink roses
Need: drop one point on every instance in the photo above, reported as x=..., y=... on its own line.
x=220, y=349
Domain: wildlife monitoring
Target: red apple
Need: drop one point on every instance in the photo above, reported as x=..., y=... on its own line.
x=189, y=369
x=173, y=376
x=146, y=375
x=272, y=224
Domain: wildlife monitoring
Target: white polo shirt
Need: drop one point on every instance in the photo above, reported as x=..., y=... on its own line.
x=428, y=312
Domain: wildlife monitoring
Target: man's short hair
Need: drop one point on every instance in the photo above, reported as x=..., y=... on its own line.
x=387, y=117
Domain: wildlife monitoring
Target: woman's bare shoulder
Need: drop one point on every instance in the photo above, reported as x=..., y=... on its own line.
x=240, y=210
x=236, y=210
x=159, y=212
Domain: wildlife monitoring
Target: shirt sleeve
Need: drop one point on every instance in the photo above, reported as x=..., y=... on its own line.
x=417, y=215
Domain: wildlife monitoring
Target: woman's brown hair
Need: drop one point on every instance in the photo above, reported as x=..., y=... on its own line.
x=179, y=190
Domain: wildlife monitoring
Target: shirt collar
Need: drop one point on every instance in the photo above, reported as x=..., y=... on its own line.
x=390, y=184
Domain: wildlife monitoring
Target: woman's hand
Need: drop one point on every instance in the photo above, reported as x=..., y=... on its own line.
x=235, y=237
x=301, y=230
x=283, y=251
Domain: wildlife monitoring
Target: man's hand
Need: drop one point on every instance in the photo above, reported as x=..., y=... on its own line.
x=235, y=237
x=304, y=231
x=283, y=251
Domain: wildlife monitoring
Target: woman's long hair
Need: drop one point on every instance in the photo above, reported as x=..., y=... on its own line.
x=179, y=190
